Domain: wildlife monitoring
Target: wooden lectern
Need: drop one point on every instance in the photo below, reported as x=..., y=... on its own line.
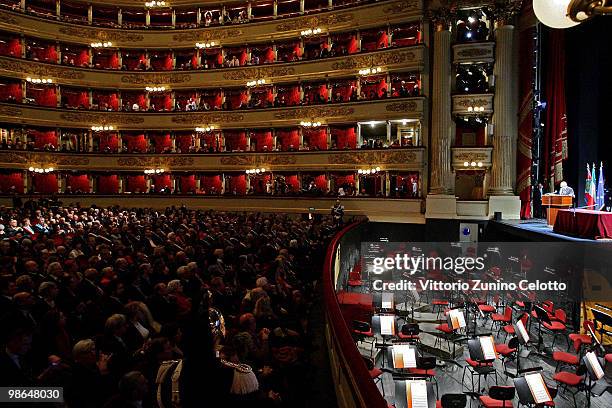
x=554, y=203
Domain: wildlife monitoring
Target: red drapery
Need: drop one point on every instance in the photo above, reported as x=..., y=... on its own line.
x=45, y=183
x=78, y=183
x=130, y=99
x=290, y=95
x=525, y=125
x=237, y=184
x=8, y=180
x=133, y=62
x=292, y=180
x=212, y=184
x=136, y=184
x=236, y=99
x=108, y=184
x=76, y=99
x=321, y=182
x=187, y=184
x=208, y=141
x=41, y=138
x=311, y=91
x=161, y=101
x=344, y=137
x=261, y=140
x=258, y=183
x=184, y=142
x=162, y=63
x=235, y=140
x=214, y=99
x=135, y=143
x=46, y=53
x=161, y=142
x=344, y=89
x=555, y=129
x=10, y=90
x=108, y=141
x=43, y=95
x=106, y=60
x=316, y=138
x=105, y=100
x=376, y=85
x=11, y=47
x=161, y=181
x=286, y=138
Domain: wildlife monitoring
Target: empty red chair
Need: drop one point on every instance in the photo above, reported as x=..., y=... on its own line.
x=504, y=319
x=499, y=397
x=561, y=357
x=573, y=380
x=509, y=328
x=557, y=326
x=578, y=339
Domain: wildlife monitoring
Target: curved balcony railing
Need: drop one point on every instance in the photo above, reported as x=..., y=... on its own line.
x=366, y=16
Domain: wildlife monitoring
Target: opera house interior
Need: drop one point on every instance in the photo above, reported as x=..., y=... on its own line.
x=305, y=203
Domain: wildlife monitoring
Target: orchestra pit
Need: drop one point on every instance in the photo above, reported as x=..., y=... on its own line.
x=305, y=203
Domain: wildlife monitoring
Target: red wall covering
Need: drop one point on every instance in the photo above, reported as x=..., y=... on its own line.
x=184, y=142
x=135, y=143
x=235, y=140
x=43, y=95
x=111, y=100
x=108, y=184
x=344, y=136
x=45, y=183
x=42, y=138
x=161, y=181
x=261, y=140
x=7, y=180
x=238, y=183
x=108, y=140
x=76, y=99
x=316, y=137
x=78, y=183
x=136, y=184
x=11, y=48
x=208, y=182
x=161, y=142
x=293, y=181
x=258, y=183
x=286, y=138
x=13, y=90
x=187, y=184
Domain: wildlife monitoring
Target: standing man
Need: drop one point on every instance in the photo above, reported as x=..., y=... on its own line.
x=337, y=213
x=538, y=192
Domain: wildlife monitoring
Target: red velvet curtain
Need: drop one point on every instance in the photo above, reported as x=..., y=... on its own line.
x=136, y=143
x=292, y=180
x=161, y=181
x=136, y=184
x=162, y=63
x=8, y=180
x=108, y=184
x=340, y=180
x=555, y=129
x=43, y=95
x=76, y=99
x=10, y=89
x=45, y=183
x=316, y=138
x=161, y=101
x=161, y=142
x=78, y=183
x=344, y=137
x=211, y=184
x=344, y=89
x=108, y=140
x=378, y=85
x=236, y=98
x=288, y=137
x=184, y=142
x=321, y=182
x=11, y=47
x=187, y=184
x=237, y=183
x=208, y=140
x=261, y=140
x=291, y=95
x=312, y=90
x=105, y=100
x=41, y=138
x=47, y=53
x=235, y=140
x=106, y=60
x=214, y=99
x=133, y=62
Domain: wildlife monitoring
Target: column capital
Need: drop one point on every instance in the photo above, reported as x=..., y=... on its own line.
x=442, y=13
x=503, y=11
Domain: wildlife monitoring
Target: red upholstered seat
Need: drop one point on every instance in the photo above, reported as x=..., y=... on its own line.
x=438, y=302
x=422, y=371
x=408, y=336
x=444, y=328
x=566, y=358
x=566, y=378
x=475, y=364
x=505, y=318
x=554, y=326
x=520, y=304
x=486, y=308
x=609, y=358
x=509, y=329
x=504, y=350
x=489, y=402
x=369, y=333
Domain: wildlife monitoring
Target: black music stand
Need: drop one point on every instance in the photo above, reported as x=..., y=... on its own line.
x=593, y=377
x=605, y=320
x=524, y=392
x=378, y=300
x=401, y=400
x=542, y=317
x=477, y=354
x=376, y=329
x=390, y=351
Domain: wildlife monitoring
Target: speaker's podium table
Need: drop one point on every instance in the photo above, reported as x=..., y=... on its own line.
x=554, y=203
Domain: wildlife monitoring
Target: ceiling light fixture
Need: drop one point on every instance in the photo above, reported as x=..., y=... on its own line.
x=568, y=13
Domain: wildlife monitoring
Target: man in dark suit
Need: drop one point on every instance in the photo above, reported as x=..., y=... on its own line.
x=538, y=192
x=15, y=369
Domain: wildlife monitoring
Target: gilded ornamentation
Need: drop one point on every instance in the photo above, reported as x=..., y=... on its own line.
x=207, y=35
x=467, y=102
x=46, y=158
x=101, y=118
x=102, y=35
x=7, y=18
x=387, y=58
x=41, y=70
x=256, y=73
x=475, y=52
x=315, y=112
x=167, y=161
x=7, y=110
x=442, y=13
x=401, y=7
x=315, y=21
x=213, y=117
x=155, y=79
x=471, y=156
x=408, y=106
x=374, y=157
x=258, y=160
x=14, y=158
x=504, y=11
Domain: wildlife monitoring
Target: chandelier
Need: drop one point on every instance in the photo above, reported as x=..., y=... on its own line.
x=568, y=13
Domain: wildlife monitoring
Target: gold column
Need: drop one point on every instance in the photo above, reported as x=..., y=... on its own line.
x=503, y=171
x=443, y=127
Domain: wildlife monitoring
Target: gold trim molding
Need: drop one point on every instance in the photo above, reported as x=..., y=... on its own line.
x=476, y=52
x=460, y=155
x=461, y=103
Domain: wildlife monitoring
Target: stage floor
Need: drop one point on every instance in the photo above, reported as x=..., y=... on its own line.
x=531, y=229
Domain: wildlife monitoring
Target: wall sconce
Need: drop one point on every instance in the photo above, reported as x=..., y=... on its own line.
x=205, y=45
x=310, y=124
x=568, y=13
x=256, y=83
x=204, y=129
x=41, y=170
x=155, y=88
x=472, y=164
x=370, y=71
x=102, y=128
x=475, y=109
x=154, y=171
x=155, y=3
x=101, y=44
x=39, y=80
x=366, y=172
x=256, y=171
x=311, y=31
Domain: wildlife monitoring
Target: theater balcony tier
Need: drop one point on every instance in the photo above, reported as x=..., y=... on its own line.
x=397, y=108
x=480, y=52
x=405, y=159
x=472, y=158
x=473, y=104
x=366, y=16
x=391, y=60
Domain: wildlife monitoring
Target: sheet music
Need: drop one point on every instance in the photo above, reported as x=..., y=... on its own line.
x=594, y=363
x=522, y=331
x=404, y=356
x=488, y=348
x=538, y=388
x=387, y=300
x=457, y=319
x=387, y=324
x=416, y=393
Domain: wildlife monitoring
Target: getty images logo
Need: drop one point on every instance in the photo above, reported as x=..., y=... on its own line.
x=412, y=264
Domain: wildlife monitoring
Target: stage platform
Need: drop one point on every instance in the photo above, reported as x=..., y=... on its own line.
x=536, y=230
